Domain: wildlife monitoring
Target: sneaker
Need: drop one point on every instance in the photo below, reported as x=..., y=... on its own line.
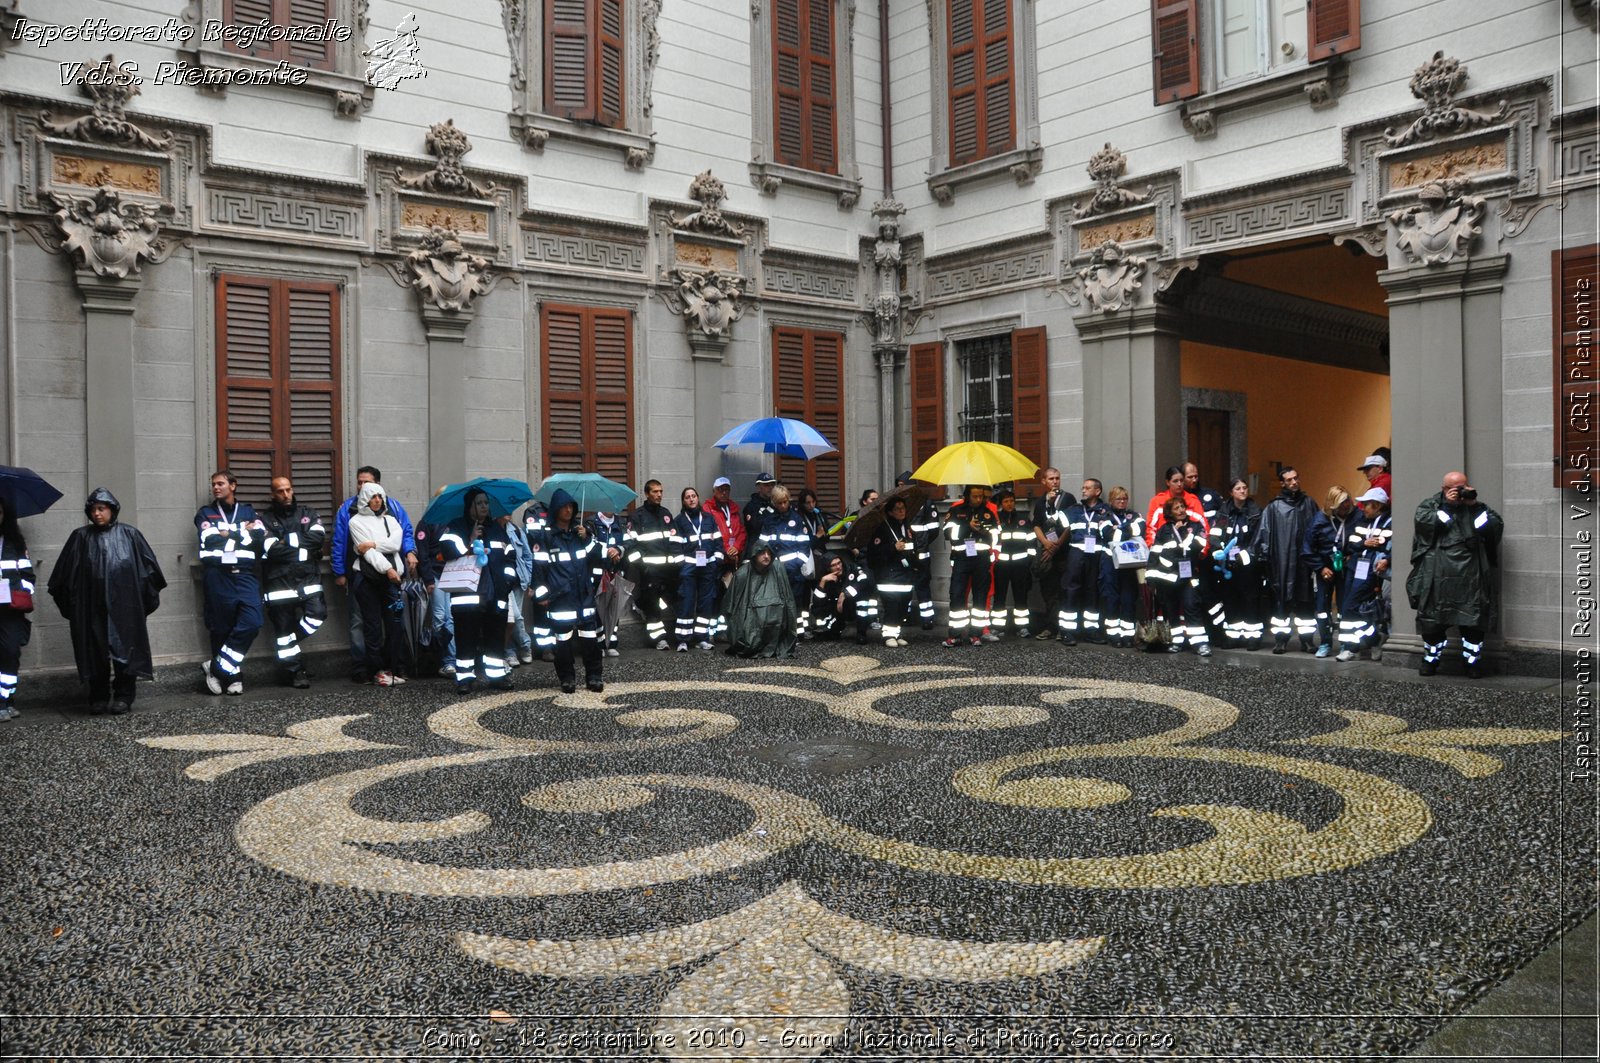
x=1346, y=656
x=1428, y=668
x=447, y=672
x=703, y=645
x=384, y=679
x=301, y=681
x=235, y=688
x=547, y=656
x=1174, y=649
x=464, y=686
x=613, y=652
x=874, y=627
x=1325, y=650
x=990, y=636
x=683, y=647
x=1305, y=645
x=596, y=686
x=1069, y=639
x=1280, y=647
x=513, y=661
x=526, y=656
x=1045, y=635
x=975, y=640
x=951, y=644
x=1203, y=650
x=569, y=688
x=661, y=644
x=213, y=684
x=7, y=713
x=119, y=707
x=1375, y=654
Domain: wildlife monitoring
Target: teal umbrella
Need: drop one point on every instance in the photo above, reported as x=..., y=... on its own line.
x=505, y=495
x=589, y=490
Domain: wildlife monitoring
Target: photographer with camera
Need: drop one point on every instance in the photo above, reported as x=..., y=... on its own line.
x=1452, y=563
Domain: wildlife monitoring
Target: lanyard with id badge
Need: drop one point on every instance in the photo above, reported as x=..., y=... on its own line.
x=700, y=558
x=230, y=553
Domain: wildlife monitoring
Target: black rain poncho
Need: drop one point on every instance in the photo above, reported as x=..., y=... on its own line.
x=1452, y=563
x=761, y=612
x=105, y=583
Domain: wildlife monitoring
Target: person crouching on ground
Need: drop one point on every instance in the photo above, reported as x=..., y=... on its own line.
x=759, y=608
x=563, y=583
x=376, y=539
x=1176, y=556
x=842, y=594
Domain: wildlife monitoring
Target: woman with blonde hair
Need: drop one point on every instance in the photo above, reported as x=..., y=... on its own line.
x=1119, y=587
x=1323, y=554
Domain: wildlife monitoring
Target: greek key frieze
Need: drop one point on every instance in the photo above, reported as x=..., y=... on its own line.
x=1301, y=211
x=579, y=251
x=991, y=267
x=240, y=209
x=810, y=279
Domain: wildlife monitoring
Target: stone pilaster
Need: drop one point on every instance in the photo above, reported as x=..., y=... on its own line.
x=447, y=393
x=1132, y=395
x=707, y=356
x=108, y=385
x=891, y=371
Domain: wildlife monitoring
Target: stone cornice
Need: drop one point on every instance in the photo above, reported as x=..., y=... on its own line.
x=1265, y=186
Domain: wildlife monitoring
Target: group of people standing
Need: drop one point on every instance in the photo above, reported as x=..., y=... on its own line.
x=1220, y=568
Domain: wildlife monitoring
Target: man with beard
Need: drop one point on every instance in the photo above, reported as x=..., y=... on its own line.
x=1277, y=550
x=106, y=583
x=293, y=587
x=653, y=554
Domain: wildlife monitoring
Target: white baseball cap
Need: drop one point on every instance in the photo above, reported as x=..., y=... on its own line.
x=1371, y=460
x=721, y=481
x=1375, y=494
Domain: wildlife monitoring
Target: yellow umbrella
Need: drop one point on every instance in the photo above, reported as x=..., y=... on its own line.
x=976, y=463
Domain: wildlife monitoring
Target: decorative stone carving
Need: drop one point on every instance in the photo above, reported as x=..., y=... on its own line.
x=1373, y=240
x=1106, y=166
x=110, y=87
x=513, y=16
x=1111, y=277
x=1435, y=83
x=768, y=182
x=106, y=235
x=1441, y=227
x=709, y=301
x=652, y=53
x=444, y=273
x=886, y=256
x=348, y=104
x=1588, y=10
x=447, y=144
x=635, y=158
x=93, y=173
x=1319, y=93
x=709, y=192
x=1200, y=124
x=535, y=137
x=1458, y=162
x=943, y=192
x=1122, y=230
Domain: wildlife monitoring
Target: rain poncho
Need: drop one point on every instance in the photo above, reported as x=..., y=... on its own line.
x=761, y=613
x=1452, y=561
x=106, y=582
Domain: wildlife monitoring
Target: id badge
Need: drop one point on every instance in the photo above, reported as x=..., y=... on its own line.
x=1185, y=570
x=972, y=548
x=5, y=592
x=230, y=556
x=700, y=558
x=1362, y=568
x=1091, y=543
x=1052, y=536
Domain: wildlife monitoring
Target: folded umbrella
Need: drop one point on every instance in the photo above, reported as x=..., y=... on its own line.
x=505, y=495
x=976, y=462
x=589, y=490
x=782, y=436
x=25, y=492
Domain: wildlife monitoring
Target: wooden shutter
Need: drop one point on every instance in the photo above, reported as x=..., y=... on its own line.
x=808, y=385
x=788, y=83
x=1333, y=28
x=569, y=69
x=278, y=397
x=804, y=117
x=1175, y=36
x=982, y=89
x=315, y=54
x=1576, y=277
x=249, y=13
x=927, y=401
x=588, y=391
x=1030, y=395
x=821, y=142
x=609, y=53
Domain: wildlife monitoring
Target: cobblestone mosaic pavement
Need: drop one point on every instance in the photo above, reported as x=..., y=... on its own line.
x=1006, y=852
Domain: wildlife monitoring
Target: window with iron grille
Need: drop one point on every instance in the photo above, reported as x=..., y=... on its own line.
x=986, y=388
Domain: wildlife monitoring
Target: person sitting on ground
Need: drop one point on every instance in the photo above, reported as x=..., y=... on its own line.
x=759, y=608
x=840, y=597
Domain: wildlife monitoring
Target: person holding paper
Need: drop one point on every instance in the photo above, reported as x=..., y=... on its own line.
x=1176, y=557
x=974, y=534
x=698, y=540
x=1366, y=562
x=1119, y=587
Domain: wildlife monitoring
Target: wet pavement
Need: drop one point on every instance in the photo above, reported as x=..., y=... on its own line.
x=1014, y=851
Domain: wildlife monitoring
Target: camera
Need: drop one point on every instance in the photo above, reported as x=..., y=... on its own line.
x=1469, y=494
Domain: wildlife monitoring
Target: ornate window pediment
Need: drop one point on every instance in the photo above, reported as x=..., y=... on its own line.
x=332, y=64
x=582, y=70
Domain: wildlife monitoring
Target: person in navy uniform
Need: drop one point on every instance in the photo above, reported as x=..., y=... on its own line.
x=974, y=533
x=654, y=560
x=1080, y=585
x=564, y=556
x=290, y=555
x=231, y=542
x=1013, y=575
x=698, y=538
x=1367, y=554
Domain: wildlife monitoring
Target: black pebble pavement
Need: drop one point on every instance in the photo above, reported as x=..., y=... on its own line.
x=134, y=925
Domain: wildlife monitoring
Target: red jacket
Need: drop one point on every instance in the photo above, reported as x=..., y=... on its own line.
x=1156, y=518
x=729, y=523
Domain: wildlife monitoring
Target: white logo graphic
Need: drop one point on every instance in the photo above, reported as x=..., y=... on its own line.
x=392, y=61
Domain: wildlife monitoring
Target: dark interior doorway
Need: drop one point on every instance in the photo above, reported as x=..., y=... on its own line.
x=1209, y=444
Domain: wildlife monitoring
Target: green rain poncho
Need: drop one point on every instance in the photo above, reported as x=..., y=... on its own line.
x=761, y=612
x=1452, y=561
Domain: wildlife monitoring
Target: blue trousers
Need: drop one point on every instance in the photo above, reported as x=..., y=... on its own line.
x=232, y=615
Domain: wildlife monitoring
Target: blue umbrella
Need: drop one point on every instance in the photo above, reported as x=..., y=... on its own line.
x=778, y=435
x=589, y=490
x=25, y=492
x=504, y=494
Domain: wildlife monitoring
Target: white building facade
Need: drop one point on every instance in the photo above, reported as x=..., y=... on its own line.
x=547, y=235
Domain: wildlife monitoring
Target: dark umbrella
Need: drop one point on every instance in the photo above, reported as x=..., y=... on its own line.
x=861, y=529
x=25, y=492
